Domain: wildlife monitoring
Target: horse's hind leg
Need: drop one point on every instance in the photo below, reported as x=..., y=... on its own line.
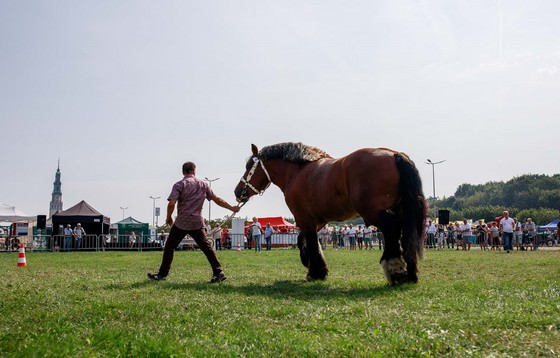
x=302, y=250
x=312, y=256
x=392, y=260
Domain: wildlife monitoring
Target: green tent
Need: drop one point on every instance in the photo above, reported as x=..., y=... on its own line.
x=126, y=226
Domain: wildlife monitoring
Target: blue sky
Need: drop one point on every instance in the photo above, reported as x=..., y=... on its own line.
x=124, y=92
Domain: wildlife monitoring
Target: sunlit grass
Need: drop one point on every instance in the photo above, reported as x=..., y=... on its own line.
x=101, y=304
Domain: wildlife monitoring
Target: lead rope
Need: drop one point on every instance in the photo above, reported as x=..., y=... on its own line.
x=256, y=162
x=228, y=219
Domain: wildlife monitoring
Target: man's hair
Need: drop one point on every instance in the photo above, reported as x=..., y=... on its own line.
x=188, y=168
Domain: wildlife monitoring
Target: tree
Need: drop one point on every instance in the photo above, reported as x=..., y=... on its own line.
x=531, y=195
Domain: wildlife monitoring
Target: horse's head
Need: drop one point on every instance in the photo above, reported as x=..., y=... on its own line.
x=255, y=180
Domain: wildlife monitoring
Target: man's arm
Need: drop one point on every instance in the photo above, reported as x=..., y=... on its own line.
x=170, y=209
x=224, y=204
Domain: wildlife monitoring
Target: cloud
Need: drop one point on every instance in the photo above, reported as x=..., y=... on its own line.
x=548, y=70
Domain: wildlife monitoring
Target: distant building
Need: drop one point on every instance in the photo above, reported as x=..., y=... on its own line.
x=56, y=201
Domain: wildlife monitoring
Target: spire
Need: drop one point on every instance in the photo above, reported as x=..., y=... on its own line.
x=56, y=201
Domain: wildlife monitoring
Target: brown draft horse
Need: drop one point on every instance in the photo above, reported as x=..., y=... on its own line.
x=380, y=185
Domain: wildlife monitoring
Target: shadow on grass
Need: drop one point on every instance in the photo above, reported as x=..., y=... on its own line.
x=294, y=289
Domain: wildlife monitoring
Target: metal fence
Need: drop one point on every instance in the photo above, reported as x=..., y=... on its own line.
x=62, y=243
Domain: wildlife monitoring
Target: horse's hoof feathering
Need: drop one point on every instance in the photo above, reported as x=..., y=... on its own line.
x=395, y=271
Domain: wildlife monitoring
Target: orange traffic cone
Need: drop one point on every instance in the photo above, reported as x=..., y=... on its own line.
x=21, y=259
x=238, y=246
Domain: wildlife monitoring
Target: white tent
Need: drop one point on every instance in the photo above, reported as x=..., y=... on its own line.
x=10, y=213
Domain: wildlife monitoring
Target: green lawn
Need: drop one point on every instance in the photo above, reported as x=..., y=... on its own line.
x=101, y=304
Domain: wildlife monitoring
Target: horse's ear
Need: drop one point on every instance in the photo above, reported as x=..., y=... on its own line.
x=254, y=149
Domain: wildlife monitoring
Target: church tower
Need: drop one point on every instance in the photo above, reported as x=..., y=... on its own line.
x=56, y=201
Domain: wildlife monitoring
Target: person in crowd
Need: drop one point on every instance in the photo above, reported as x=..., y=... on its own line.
x=351, y=233
x=162, y=239
x=380, y=239
x=440, y=237
x=67, y=241
x=506, y=228
x=518, y=235
x=249, y=241
x=79, y=234
x=268, y=231
x=334, y=237
x=226, y=239
x=256, y=231
x=530, y=229
x=431, y=230
x=466, y=233
x=188, y=194
x=450, y=237
x=208, y=230
x=343, y=238
x=494, y=236
x=458, y=235
x=217, y=237
x=131, y=239
x=482, y=236
x=324, y=236
x=360, y=237
x=367, y=238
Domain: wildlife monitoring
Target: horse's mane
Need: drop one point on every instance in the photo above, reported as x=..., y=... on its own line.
x=293, y=152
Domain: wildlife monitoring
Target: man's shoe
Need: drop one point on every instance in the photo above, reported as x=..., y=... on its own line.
x=156, y=277
x=218, y=278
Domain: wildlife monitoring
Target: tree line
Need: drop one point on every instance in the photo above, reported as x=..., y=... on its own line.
x=532, y=195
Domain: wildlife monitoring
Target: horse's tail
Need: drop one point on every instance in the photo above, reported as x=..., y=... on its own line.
x=413, y=208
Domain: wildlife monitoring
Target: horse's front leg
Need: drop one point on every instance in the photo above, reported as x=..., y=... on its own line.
x=311, y=250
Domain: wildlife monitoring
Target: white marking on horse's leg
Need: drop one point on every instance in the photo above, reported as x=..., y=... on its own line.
x=394, y=266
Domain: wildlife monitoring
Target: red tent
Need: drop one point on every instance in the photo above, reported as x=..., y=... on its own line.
x=277, y=223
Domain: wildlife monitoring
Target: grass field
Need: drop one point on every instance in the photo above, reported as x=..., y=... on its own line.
x=101, y=304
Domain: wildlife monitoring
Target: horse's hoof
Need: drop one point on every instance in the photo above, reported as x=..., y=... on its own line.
x=400, y=278
x=310, y=278
x=395, y=270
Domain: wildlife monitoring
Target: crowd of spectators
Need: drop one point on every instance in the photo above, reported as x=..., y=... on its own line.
x=506, y=233
x=496, y=235
x=350, y=237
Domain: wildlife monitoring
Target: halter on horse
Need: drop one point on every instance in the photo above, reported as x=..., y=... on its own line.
x=380, y=185
x=246, y=180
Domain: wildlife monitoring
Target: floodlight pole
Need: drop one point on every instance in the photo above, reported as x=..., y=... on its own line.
x=123, y=209
x=210, y=202
x=433, y=164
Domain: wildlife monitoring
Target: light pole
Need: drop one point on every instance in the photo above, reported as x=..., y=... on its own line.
x=433, y=164
x=123, y=209
x=210, y=202
x=154, y=211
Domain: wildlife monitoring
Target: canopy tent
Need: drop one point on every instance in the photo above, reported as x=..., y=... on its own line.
x=10, y=213
x=93, y=222
x=277, y=223
x=550, y=226
x=126, y=226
